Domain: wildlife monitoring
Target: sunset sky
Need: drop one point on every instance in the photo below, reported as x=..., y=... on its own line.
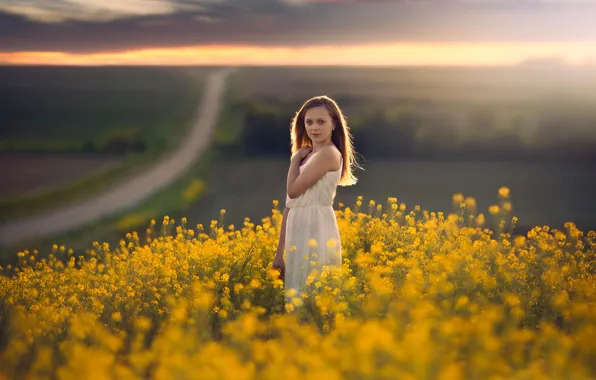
x=296, y=32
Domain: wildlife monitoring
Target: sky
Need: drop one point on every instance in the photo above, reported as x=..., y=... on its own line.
x=297, y=32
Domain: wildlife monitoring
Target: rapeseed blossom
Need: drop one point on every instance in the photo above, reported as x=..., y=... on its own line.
x=420, y=295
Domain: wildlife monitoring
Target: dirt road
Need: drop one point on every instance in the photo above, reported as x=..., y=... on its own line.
x=129, y=194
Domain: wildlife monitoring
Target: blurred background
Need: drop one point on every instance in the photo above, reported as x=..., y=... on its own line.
x=116, y=113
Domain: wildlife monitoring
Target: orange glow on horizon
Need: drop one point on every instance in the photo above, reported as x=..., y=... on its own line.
x=358, y=55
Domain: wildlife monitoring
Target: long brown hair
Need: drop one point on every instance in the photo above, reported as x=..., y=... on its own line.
x=340, y=136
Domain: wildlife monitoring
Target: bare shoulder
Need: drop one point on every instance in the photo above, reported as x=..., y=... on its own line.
x=332, y=156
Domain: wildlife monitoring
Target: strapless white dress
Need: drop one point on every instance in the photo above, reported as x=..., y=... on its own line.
x=312, y=236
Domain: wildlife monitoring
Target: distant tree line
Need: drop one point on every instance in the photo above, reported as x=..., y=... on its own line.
x=411, y=131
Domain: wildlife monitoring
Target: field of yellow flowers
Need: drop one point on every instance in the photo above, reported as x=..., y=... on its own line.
x=421, y=295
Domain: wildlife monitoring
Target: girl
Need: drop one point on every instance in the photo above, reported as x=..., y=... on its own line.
x=322, y=158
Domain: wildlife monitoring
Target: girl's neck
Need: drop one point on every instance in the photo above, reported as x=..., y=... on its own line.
x=316, y=148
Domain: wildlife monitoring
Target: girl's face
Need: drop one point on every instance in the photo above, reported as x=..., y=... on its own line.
x=319, y=124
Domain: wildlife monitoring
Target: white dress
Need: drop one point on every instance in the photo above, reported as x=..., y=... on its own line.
x=311, y=216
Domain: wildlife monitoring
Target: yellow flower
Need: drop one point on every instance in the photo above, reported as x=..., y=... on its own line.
x=143, y=323
x=297, y=302
x=470, y=203
x=494, y=209
x=291, y=292
x=462, y=302
x=406, y=291
x=520, y=241
x=507, y=206
x=504, y=192
x=457, y=198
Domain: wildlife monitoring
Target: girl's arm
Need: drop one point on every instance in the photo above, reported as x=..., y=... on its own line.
x=300, y=181
x=282, y=235
x=293, y=174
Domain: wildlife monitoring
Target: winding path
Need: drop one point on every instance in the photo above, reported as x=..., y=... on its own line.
x=136, y=189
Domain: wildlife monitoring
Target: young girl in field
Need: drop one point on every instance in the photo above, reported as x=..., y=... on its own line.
x=322, y=158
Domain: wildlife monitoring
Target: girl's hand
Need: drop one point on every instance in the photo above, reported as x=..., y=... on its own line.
x=302, y=153
x=279, y=264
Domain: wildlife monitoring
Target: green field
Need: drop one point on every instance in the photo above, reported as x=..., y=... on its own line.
x=446, y=85
x=95, y=109
x=396, y=135
x=440, y=113
x=128, y=114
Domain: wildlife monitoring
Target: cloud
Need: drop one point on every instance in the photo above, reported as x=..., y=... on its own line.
x=83, y=26
x=55, y=11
